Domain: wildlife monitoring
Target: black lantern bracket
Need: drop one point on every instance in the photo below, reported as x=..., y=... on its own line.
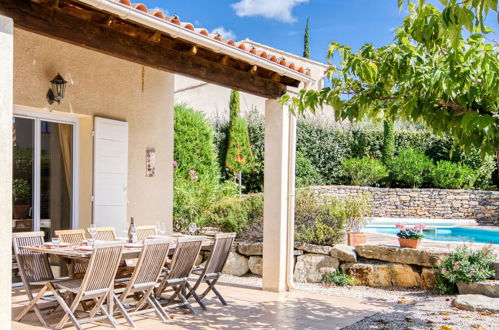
x=56, y=93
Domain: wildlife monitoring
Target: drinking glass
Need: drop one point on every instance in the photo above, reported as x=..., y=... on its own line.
x=192, y=228
x=92, y=230
x=162, y=228
x=56, y=241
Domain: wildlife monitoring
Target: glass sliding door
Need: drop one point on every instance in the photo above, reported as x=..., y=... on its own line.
x=23, y=139
x=56, y=173
x=43, y=174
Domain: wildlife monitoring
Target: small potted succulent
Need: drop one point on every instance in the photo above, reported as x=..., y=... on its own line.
x=409, y=237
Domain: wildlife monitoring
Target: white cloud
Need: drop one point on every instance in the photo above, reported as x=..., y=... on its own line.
x=166, y=12
x=280, y=10
x=225, y=34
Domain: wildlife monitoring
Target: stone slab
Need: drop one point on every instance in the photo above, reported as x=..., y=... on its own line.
x=312, y=248
x=250, y=249
x=427, y=257
x=344, y=253
x=476, y=303
x=486, y=288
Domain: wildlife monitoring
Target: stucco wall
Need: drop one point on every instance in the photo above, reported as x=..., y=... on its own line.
x=101, y=85
x=483, y=206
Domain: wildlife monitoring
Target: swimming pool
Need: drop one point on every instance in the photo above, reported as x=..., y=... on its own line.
x=461, y=234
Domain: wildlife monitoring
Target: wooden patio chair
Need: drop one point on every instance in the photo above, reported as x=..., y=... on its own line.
x=175, y=280
x=73, y=236
x=34, y=268
x=143, y=232
x=105, y=234
x=144, y=279
x=211, y=272
x=97, y=286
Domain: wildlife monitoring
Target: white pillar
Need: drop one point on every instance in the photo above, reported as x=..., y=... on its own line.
x=275, y=196
x=6, y=102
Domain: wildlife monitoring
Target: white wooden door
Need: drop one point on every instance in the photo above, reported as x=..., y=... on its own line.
x=110, y=173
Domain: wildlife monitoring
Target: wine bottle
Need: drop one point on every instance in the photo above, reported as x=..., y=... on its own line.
x=132, y=232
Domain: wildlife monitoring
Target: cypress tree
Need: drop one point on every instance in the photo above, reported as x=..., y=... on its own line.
x=388, y=151
x=239, y=158
x=306, y=49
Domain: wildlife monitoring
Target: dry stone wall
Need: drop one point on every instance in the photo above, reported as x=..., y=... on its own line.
x=482, y=206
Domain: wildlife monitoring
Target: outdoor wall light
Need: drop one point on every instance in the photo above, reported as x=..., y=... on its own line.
x=56, y=93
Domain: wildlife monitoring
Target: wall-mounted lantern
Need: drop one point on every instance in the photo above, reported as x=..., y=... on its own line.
x=56, y=93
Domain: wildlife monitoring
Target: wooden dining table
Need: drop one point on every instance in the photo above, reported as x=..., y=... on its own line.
x=72, y=252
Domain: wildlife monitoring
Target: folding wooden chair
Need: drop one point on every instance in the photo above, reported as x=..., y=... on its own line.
x=97, y=285
x=105, y=234
x=176, y=279
x=73, y=236
x=144, y=279
x=34, y=268
x=143, y=232
x=211, y=272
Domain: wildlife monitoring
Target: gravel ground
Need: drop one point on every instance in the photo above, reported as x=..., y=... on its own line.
x=406, y=308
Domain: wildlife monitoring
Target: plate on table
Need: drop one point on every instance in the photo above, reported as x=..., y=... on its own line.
x=158, y=236
x=85, y=248
x=52, y=245
x=133, y=245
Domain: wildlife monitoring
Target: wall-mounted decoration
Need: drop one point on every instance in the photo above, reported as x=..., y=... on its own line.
x=150, y=162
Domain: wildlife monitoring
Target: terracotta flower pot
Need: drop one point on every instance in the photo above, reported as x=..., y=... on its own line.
x=20, y=211
x=409, y=243
x=355, y=239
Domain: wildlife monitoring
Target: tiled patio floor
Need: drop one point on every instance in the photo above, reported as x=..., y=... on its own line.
x=248, y=308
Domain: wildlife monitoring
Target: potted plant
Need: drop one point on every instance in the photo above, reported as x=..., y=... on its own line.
x=21, y=192
x=409, y=237
x=357, y=209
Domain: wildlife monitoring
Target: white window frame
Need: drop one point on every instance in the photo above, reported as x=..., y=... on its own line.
x=38, y=117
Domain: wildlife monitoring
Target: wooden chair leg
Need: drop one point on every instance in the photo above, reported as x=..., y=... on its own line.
x=158, y=312
x=69, y=312
x=160, y=308
x=123, y=310
x=192, y=291
x=32, y=304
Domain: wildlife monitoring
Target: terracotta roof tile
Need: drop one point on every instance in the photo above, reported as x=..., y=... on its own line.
x=188, y=26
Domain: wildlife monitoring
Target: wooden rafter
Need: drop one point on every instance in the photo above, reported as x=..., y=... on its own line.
x=74, y=23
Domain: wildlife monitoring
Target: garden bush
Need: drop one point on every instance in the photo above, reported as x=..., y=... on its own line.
x=449, y=175
x=364, y=171
x=337, y=278
x=464, y=264
x=411, y=168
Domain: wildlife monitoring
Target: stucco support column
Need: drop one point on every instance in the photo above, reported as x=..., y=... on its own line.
x=275, y=196
x=6, y=102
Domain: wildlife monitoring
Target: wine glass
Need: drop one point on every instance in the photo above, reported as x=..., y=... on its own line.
x=192, y=228
x=56, y=241
x=92, y=230
x=162, y=228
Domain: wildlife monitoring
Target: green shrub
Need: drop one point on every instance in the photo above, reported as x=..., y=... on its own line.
x=196, y=177
x=234, y=214
x=319, y=219
x=365, y=171
x=194, y=147
x=337, y=278
x=21, y=191
x=306, y=173
x=464, y=264
x=449, y=175
x=411, y=168
x=357, y=209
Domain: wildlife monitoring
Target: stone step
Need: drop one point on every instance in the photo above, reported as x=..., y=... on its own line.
x=476, y=303
x=487, y=288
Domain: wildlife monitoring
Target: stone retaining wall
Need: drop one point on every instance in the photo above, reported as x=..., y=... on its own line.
x=483, y=206
x=370, y=265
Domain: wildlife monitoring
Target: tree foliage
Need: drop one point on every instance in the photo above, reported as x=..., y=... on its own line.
x=239, y=154
x=306, y=41
x=440, y=69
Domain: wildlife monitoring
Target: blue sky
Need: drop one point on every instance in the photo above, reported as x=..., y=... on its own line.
x=281, y=23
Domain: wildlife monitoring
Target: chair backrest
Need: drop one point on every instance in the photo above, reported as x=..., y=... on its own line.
x=71, y=236
x=184, y=257
x=102, y=267
x=221, y=249
x=34, y=267
x=151, y=261
x=144, y=232
x=105, y=234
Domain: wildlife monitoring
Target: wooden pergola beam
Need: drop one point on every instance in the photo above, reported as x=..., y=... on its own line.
x=53, y=22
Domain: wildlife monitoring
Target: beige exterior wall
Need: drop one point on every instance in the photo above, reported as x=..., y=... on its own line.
x=104, y=86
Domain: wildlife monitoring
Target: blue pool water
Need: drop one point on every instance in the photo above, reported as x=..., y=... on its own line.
x=461, y=234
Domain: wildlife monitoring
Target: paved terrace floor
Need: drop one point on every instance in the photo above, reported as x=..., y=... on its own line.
x=249, y=308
